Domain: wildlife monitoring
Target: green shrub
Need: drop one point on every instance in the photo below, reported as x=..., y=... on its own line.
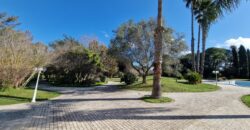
x=120, y=74
x=179, y=76
x=122, y=79
x=193, y=78
x=103, y=78
x=78, y=67
x=129, y=78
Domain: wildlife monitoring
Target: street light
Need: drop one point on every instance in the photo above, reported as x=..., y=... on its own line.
x=216, y=73
x=38, y=76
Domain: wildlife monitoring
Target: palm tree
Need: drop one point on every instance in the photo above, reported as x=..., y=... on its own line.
x=156, y=92
x=198, y=50
x=191, y=4
x=207, y=13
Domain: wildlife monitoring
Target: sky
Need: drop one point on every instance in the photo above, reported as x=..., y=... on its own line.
x=49, y=20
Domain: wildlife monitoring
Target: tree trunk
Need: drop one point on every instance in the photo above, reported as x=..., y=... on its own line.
x=204, y=37
x=156, y=92
x=29, y=79
x=144, y=78
x=198, y=51
x=192, y=40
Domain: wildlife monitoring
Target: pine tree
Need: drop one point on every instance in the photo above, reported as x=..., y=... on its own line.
x=243, y=62
x=235, y=65
x=248, y=57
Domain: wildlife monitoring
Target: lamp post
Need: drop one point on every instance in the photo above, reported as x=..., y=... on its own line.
x=37, y=81
x=216, y=73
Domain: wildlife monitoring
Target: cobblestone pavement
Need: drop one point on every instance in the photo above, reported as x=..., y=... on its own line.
x=107, y=108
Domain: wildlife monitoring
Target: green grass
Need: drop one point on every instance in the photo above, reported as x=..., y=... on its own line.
x=114, y=79
x=99, y=83
x=170, y=85
x=246, y=99
x=22, y=95
x=154, y=100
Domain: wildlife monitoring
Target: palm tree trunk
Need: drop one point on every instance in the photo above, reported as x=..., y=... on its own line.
x=204, y=38
x=156, y=92
x=192, y=40
x=198, y=50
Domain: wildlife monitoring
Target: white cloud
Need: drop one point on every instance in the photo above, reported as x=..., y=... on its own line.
x=106, y=35
x=185, y=52
x=237, y=42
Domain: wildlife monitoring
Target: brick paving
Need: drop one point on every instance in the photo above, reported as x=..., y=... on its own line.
x=108, y=108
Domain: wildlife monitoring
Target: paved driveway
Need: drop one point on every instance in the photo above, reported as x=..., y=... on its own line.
x=107, y=108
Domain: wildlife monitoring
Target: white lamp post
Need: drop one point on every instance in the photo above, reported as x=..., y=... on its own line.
x=216, y=73
x=37, y=81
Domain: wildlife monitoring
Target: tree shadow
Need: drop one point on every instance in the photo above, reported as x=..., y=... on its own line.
x=80, y=90
x=60, y=111
x=94, y=99
x=63, y=110
x=141, y=114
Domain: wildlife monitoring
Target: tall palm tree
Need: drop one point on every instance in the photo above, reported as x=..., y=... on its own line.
x=198, y=50
x=191, y=4
x=207, y=13
x=156, y=92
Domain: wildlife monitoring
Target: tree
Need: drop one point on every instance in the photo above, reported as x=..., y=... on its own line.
x=110, y=64
x=207, y=13
x=75, y=67
x=235, y=61
x=134, y=42
x=216, y=58
x=248, y=57
x=19, y=56
x=158, y=43
x=171, y=55
x=95, y=47
x=73, y=64
x=186, y=62
x=243, y=62
x=64, y=45
x=198, y=50
x=7, y=21
x=192, y=5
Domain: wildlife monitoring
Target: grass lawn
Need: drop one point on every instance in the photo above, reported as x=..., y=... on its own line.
x=153, y=100
x=246, y=100
x=114, y=79
x=21, y=95
x=170, y=85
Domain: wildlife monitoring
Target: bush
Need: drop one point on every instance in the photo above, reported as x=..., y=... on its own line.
x=103, y=78
x=222, y=78
x=129, y=78
x=79, y=67
x=179, y=76
x=193, y=78
x=120, y=74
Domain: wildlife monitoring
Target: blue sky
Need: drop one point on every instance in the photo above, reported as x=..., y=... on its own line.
x=48, y=20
